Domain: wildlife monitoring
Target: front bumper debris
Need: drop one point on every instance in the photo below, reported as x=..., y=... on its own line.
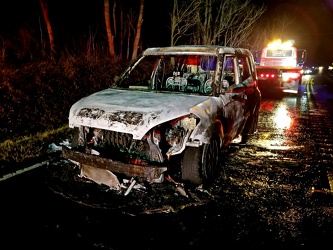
x=150, y=172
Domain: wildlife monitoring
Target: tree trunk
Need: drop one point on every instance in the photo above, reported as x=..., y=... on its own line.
x=138, y=31
x=122, y=33
x=44, y=7
x=110, y=36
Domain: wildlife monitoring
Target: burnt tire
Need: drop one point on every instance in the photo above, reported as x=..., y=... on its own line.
x=201, y=164
x=76, y=136
x=191, y=165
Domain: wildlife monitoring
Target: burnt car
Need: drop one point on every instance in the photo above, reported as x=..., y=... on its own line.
x=167, y=117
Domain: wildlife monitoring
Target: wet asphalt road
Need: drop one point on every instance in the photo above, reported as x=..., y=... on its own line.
x=275, y=193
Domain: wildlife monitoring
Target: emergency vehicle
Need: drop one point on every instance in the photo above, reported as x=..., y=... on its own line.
x=279, y=67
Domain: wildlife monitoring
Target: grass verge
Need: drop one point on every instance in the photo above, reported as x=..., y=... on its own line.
x=30, y=149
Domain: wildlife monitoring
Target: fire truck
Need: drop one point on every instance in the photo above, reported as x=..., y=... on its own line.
x=279, y=67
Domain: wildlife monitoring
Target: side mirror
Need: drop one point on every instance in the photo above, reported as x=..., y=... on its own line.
x=223, y=86
x=114, y=81
x=115, y=78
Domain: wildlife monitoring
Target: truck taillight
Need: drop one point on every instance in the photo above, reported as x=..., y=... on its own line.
x=267, y=75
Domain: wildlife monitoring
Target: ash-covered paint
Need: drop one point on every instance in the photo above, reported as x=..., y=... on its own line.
x=131, y=111
x=91, y=113
x=126, y=116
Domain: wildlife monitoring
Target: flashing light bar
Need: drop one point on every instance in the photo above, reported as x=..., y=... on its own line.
x=279, y=45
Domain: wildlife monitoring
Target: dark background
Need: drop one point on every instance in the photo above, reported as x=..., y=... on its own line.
x=311, y=30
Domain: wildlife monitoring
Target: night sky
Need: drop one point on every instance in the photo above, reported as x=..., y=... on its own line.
x=312, y=29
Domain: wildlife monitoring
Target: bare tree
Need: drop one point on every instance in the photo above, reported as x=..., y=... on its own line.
x=138, y=31
x=271, y=26
x=227, y=23
x=122, y=30
x=130, y=20
x=91, y=50
x=109, y=33
x=182, y=21
x=258, y=38
x=243, y=24
x=45, y=11
x=278, y=25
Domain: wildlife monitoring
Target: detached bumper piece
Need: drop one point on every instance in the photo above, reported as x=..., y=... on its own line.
x=150, y=172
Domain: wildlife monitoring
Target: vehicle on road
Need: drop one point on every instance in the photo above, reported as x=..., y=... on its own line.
x=310, y=70
x=280, y=67
x=168, y=116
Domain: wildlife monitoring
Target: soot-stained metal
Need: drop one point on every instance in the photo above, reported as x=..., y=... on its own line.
x=153, y=127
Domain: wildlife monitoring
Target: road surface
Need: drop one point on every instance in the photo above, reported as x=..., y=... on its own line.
x=275, y=192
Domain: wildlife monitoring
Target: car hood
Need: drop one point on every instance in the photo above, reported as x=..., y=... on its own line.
x=130, y=111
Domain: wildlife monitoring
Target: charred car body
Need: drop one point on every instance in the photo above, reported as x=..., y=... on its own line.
x=168, y=116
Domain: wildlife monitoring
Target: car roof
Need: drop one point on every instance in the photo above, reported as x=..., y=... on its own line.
x=212, y=50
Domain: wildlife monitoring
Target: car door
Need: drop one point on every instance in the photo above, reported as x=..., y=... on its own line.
x=234, y=98
x=249, y=84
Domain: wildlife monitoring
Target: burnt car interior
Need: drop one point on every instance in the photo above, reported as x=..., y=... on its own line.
x=184, y=73
x=192, y=74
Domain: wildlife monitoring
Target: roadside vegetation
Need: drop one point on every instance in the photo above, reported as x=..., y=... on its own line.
x=36, y=98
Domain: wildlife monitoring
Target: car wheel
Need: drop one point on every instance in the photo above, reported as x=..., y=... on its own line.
x=76, y=136
x=191, y=165
x=201, y=164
